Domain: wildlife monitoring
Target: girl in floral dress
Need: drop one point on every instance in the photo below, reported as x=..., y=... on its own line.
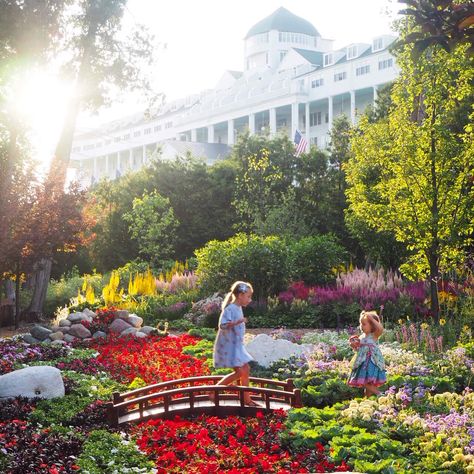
x=229, y=350
x=368, y=366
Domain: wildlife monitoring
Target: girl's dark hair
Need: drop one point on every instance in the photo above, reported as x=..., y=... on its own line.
x=237, y=288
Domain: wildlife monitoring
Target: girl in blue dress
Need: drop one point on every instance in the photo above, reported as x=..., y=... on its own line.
x=368, y=366
x=229, y=350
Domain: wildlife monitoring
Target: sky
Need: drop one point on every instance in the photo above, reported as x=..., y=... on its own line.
x=199, y=40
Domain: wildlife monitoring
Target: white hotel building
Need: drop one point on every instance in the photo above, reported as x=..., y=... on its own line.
x=292, y=79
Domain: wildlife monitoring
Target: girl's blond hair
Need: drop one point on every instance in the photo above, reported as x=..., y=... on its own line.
x=237, y=288
x=365, y=314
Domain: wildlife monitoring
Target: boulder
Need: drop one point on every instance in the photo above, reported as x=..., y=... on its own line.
x=266, y=350
x=147, y=330
x=64, y=323
x=135, y=320
x=99, y=334
x=69, y=338
x=31, y=382
x=56, y=336
x=28, y=338
x=121, y=314
x=76, y=317
x=39, y=332
x=88, y=313
x=78, y=330
x=128, y=331
x=119, y=325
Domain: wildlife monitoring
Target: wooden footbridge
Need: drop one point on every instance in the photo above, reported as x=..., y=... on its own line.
x=197, y=395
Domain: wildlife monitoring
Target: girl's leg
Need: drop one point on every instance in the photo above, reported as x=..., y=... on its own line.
x=244, y=379
x=227, y=380
x=371, y=390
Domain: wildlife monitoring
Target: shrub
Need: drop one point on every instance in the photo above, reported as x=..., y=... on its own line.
x=312, y=259
x=260, y=260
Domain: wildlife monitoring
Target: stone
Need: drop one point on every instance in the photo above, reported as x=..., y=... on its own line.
x=135, y=320
x=76, y=317
x=39, y=332
x=147, y=330
x=31, y=382
x=99, y=334
x=121, y=314
x=140, y=334
x=64, y=323
x=78, y=330
x=28, y=338
x=128, y=331
x=88, y=313
x=266, y=350
x=58, y=342
x=68, y=338
x=119, y=325
x=56, y=336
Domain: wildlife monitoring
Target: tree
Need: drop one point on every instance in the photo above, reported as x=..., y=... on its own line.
x=266, y=172
x=422, y=159
x=440, y=23
x=153, y=225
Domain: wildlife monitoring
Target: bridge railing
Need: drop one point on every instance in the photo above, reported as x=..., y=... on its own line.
x=171, y=397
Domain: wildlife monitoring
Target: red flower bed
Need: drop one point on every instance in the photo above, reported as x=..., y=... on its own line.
x=233, y=445
x=156, y=360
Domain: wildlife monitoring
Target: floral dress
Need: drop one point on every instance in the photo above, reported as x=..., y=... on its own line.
x=368, y=366
x=229, y=350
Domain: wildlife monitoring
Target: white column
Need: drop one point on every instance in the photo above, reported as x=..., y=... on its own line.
x=353, y=107
x=306, y=111
x=118, y=164
x=230, y=132
x=252, y=124
x=194, y=135
x=294, y=119
x=376, y=94
x=330, y=113
x=273, y=122
x=144, y=158
x=107, y=166
x=210, y=134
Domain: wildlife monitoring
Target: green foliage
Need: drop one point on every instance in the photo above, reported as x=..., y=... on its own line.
x=313, y=259
x=208, y=334
x=260, y=260
x=58, y=411
x=105, y=452
x=153, y=225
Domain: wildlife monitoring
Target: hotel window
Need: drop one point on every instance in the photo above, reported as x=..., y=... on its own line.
x=313, y=141
x=282, y=54
x=317, y=83
x=351, y=52
x=360, y=71
x=385, y=64
x=326, y=117
x=157, y=128
x=126, y=136
x=315, y=119
x=328, y=59
x=168, y=124
x=137, y=133
x=377, y=44
x=340, y=76
x=147, y=131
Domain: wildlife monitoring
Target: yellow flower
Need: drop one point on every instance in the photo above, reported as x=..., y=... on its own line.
x=424, y=326
x=400, y=321
x=442, y=322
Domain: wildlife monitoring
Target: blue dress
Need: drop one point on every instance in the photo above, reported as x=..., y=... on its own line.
x=229, y=350
x=368, y=366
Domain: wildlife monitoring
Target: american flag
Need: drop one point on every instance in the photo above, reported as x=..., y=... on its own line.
x=300, y=143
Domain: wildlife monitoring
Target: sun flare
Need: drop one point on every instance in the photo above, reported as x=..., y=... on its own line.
x=40, y=103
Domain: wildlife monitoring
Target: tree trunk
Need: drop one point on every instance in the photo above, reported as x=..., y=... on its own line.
x=434, y=275
x=17, y=297
x=40, y=282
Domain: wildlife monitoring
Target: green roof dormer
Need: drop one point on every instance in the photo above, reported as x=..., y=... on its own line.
x=283, y=20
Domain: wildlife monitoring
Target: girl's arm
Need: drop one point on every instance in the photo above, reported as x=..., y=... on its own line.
x=226, y=321
x=378, y=328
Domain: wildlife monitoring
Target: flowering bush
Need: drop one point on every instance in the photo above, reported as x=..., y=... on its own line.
x=234, y=445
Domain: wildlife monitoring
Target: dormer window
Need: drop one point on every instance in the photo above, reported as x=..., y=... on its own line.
x=377, y=44
x=351, y=52
x=328, y=59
